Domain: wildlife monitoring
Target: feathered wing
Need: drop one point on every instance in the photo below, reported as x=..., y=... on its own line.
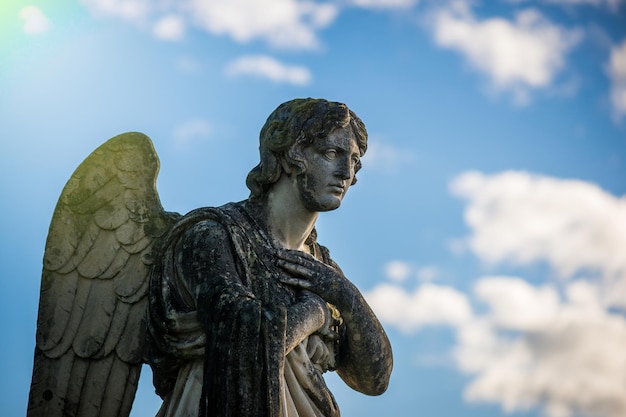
x=92, y=310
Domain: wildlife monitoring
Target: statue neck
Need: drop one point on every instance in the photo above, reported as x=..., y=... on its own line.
x=288, y=221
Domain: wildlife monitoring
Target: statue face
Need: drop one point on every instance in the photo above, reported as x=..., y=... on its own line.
x=330, y=168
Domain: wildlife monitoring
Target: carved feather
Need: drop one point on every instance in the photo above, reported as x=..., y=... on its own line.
x=92, y=310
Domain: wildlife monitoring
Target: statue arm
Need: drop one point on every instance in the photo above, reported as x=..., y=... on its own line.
x=206, y=265
x=365, y=356
x=304, y=318
x=246, y=339
x=210, y=265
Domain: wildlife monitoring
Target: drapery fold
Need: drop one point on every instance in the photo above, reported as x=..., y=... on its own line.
x=234, y=320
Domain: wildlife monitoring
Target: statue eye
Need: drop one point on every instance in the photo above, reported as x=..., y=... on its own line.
x=330, y=153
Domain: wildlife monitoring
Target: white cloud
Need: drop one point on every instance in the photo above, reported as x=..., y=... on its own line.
x=612, y=4
x=133, y=10
x=267, y=67
x=529, y=348
x=516, y=304
x=286, y=24
x=568, y=359
x=428, y=305
x=519, y=55
x=617, y=74
x=191, y=130
x=170, y=28
x=557, y=346
x=35, y=21
x=535, y=347
x=384, y=4
x=428, y=273
x=398, y=271
x=572, y=225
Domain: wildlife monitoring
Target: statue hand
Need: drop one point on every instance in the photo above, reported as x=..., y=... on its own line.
x=325, y=330
x=308, y=273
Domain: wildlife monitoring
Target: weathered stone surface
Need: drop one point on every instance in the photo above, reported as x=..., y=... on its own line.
x=238, y=309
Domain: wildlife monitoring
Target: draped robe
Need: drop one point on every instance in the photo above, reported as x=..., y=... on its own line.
x=218, y=324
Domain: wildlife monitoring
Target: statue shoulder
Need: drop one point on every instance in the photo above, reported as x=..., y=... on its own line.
x=205, y=226
x=207, y=239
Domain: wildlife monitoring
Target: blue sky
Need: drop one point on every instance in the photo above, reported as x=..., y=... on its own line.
x=488, y=224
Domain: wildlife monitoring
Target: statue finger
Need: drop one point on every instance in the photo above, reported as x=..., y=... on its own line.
x=296, y=282
x=295, y=256
x=294, y=268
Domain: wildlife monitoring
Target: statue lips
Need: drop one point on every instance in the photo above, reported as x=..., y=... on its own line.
x=338, y=189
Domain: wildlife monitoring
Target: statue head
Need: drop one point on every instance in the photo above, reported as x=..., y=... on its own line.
x=292, y=127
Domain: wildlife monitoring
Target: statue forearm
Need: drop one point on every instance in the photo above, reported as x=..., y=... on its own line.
x=365, y=357
x=304, y=318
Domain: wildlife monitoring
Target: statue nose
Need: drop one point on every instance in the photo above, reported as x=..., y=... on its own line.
x=345, y=169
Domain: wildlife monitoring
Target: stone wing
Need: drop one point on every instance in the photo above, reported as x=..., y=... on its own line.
x=91, y=325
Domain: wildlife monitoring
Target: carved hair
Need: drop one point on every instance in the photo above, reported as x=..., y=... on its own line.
x=293, y=126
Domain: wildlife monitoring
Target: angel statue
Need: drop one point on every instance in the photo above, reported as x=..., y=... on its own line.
x=237, y=309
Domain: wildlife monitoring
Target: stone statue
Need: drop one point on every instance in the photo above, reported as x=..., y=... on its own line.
x=237, y=309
